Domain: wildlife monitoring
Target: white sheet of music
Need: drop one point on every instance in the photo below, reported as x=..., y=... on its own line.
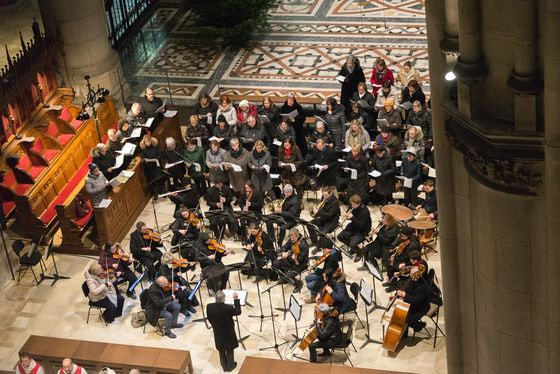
x=170, y=113
x=353, y=172
x=375, y=173
x=266, y=168
x=241, y=294
x=407, y=182
x=277, y=142
x=340, y=78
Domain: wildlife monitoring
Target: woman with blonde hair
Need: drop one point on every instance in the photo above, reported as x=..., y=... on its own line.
x=237, y=155
x=259, y=165
x=102, y=293
x=356, y=135
x=196, y=130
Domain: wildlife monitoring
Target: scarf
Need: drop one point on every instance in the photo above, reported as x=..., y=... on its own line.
x=236, y=154
x=350, y=70
x=357, y=138
x=380, y=74
x=287, y=152
x=355, y=157
x=258, y=155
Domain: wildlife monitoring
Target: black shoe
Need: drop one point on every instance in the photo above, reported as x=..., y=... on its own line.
x=234, y=366
x=419, y=326
x=298, y=286
x=186, y=313
x=391, y=288
x=131, y=295
x=357, y=258
x=169, y=334
x=177, y=326
x=326, y=352
x=191, y=309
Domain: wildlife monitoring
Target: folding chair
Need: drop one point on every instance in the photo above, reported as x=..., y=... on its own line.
x=347, y=331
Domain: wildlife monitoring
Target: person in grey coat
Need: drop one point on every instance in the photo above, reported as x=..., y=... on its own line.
x=97, y=186
x=259, y=164
x=336, y=122
x=239, y=156
x=214, y=158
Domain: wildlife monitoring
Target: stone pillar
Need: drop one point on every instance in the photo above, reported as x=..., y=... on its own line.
x=470, y=69
x=457, y=341
x=552, y=176
x=449, y=44
x=82, y=26
x=524, y=82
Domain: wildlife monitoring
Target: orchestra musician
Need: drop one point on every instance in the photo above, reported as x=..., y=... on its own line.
x=172, y=154
x=113, y=257
x=219, y=197
x=260, y=249
x=103, y=293
x=186, y=199
x=428, y=208
x=293, y=258
x=335, y=286
x=144, y=247
x=330, y=333
x=185, y=227
x=386, y=235
x=405, y=243
x=360, y=225
x=27, y=365
x=171, y=269
x=163, y=304
x=329, y=259
x=325, y=158
x=209, y=256
x=68, y=367
x=289, y=210
x=416, y=292
x=326, y=215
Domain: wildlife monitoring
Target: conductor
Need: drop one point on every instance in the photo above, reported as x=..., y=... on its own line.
x=220, y=316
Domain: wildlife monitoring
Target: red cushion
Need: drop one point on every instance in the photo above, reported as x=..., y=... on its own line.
x=24, y=162
x=21, y=189
x=49, y=154
x=85, y=219
x=64, y=139
x=9, y=179
x=66, y=115
x=76, y=124
x=52, y=130
x=8, y=207
x=38, y=146
x=35, y=171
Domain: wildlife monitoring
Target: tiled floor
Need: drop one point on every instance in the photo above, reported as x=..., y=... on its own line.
x=61, y=311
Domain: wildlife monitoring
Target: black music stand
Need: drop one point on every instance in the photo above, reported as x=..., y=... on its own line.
x=190, y=297
x=373, y=268
x=248, y=217
x=238, y=267
x=55, y=276
x=219, y=214
x=153, y=201
x=271, y=219
x=282, y=275
x=366, y=294
x=261, y=316
x=276, y=346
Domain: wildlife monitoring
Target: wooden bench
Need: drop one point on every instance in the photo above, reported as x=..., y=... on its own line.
x=93, y=356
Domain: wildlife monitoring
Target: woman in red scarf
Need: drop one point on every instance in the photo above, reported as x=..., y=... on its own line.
x=289, y=154
x=380, y=74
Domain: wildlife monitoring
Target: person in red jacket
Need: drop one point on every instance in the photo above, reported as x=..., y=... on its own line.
x=380, y=74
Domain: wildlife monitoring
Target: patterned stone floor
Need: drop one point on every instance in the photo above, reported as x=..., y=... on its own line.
x=302, y=49
x=61, y=311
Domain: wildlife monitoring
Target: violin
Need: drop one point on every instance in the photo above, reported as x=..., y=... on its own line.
x=121, y=255
x=152, y=236
x=181, y=263
x=193, y=219
x=171, y=286
x=295, y=251
x=217, y=247
x=398, y=250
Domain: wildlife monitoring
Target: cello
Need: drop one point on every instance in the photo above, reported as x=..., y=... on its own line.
x=397, y=324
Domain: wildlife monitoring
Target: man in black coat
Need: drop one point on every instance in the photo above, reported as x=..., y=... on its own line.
x=189, y=198
x=145, y=250
x=326, y=219
x=184, y=227
x=360, y=225
x=162, y=304
x=290, y=209
x=219, y=198
x=172, y=154
x=150, y=103
x=430, y=202
x=417, y=293
x=330, y=333
x=293, y=258
x=384, y=183
x=325, y=158
x=220, y=316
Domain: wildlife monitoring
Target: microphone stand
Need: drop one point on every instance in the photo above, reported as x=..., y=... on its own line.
x=276, y=346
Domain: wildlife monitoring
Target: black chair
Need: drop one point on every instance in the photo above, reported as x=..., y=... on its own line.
x=435, y=303
x=85, y=291
x=347, y=331
x=143, y=301
x=27, y=261
x=355, y=291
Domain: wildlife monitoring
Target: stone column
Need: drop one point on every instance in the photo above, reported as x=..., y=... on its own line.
x=470, y=69
x=552, y=176
x=82, y=27
x=456, y=341
x=524, y=82
x=450, y=42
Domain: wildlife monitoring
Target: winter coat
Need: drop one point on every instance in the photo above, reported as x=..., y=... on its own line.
x=220, y=316
x=229, y=113
x=103, y=162
x=350, y=84
x=196, y=156
x=385, y=183
x=378, y=82
x=297, y=124
x=358, y=185
x=417, y=143
x=363, y=141
x=295, y=178
x=423, y=119
x=392, y=95
x=96, y=188
x=259, y=176
x=324, y=157
x=237, y=179
x=394, y=119
x=417, y=95
x=336, y=124
x=157, y=299
x=249, y=135
x=273, y=115
x=216, y=174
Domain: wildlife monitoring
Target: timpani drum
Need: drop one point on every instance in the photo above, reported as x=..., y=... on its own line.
x=424, y=230
x=399, y=212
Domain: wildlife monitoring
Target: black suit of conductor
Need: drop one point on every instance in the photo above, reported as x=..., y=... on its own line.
x=220, y=316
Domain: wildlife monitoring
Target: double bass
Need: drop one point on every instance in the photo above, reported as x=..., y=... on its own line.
x=397, y=324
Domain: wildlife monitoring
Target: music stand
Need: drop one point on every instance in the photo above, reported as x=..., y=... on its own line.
x=190, y=297
x=373, y=268
x=55, y=276
x=366, y=294
x=276, y=346
x=153, y=201
x=219, y=214
x=282, y=275
x=238, y=267
x=271, y=219
x=242, y=301
x=248, y=217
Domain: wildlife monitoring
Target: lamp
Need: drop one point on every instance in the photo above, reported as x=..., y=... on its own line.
x=450, y=76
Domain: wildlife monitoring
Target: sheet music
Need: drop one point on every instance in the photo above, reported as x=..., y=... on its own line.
x=127, y=173
x=319, y=167
x=170, y=113
x=196, y=166
x=274, y=176
x=366, y=291
x=161, y=109
x=353, y=172
x=398, y=163
x=347, y=149
x=154, y=160
x=407, y=105
x=320, y=119
x=407, y=182
x=264, y=119
x=229, y=296
x=168, y=165
x=382, y=122
x=375, y=173
x=148, y=122
x=115, y=182
x=340, y=78
x=267, y=168
x=341, y=160
x=119, y=161
x=431, y=171
x=293, y=114
x=104, y=203
x=234, y=167
x=277, y=142
x=295, y=308
x=214, y=138
x=127, y=149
